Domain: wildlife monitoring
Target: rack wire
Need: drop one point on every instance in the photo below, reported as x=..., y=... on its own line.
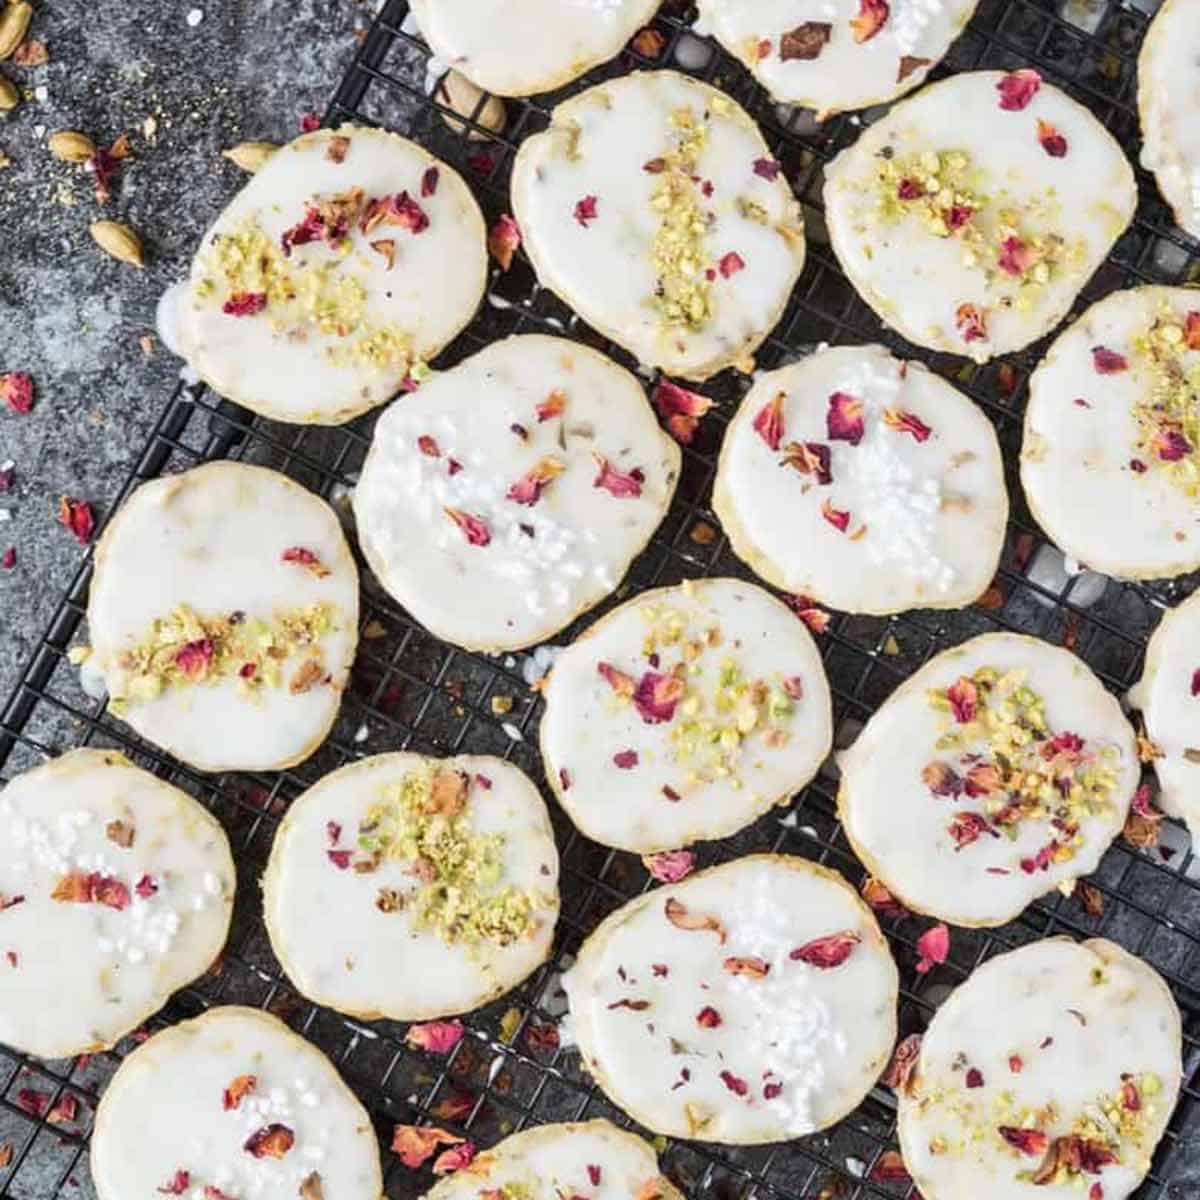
x=410, y=691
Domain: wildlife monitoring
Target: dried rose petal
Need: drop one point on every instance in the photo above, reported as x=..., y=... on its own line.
x=146, y=887
x=400, y=209
x=810, y=458
x=900, y=1070
x=77, y=516
x=683, y=918
x=817, y=619
x=620, y=683
x=32, y=1101
x=622, y=486
x=1108, y=362
x=793, y=687
x=553, y=406
x=303, y=557
x=844, y=420
x=768, y=423
x=881, y=900
x=1051, y=140
x=908, y=64
x=909, y=189
x=504, y=239
x=244, y=304
x=454, y=1107
x=177, y=1184
x=737, y=1086
x=971, y=322
x=968, y=827
x=889, y=1168
x=1018, y=88
x=429, y=182
x=934, y=947
x=193, y=659
x=339, y=858
x=906, y=422
x=708, y=1017
x=983, y=779
x=528, y=489
x=656, y=697
x=1191, y=330
x=731, y=264
x=669, y=866
x=753, y=967
x=872, y=14
x=585, y=210
x=806, y=41
x=957, y=215
x=309, y=122
x=454, y=1160
x=681, y=409
x=474, y=529
x=594, y=1174
x=214, y=1193
x=1170, y=445
x=1040, y=861
x=243, y=1085
x=942, y=779
x=16, y=390
x=414, y=1144
x=76, y=887
x=626, y=760
x=542, y=1038
x=963, y=697
x=974, y=1077
x=649, y=43
x=827, y=952
x=1131, y=1100
x=10, y=901
x=438, y=1037
x=564, y=779
x=271, y=1141
x=839, y=518
x=768, y=168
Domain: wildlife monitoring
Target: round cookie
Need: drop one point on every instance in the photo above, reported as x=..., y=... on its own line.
x=1168, y=95
x=772, y=976
x=971, y=216
x=511, y=493
x=586, y=1158
x=223, y=616
x=522, y=47
x=998, y=772
x=1168, y=697
x=116, y=890
x=347, y=261
x=232, y=1105
x=865, y=482
x=1050, y=1074
x=850, y=54
x=653, y=207
x=409, y=888
x=683, y=715
x=1110, y=461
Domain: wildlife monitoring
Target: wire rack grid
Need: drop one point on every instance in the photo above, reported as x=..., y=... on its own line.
x=410, y=691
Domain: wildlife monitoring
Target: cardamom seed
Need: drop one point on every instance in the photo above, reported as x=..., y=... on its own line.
x=14, y=24
x=119, y=241
x=9, y=96
x=250, y=156
x=69, y=146
x=459, y=94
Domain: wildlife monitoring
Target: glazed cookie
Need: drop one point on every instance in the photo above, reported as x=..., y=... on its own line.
x=521, y=47
x=753, y=1002
x=684, y=715
x=589, y=1158
x=854, y=53
x=653, y=207
x=865, y=482
x=409, y=887
x=346, y=262
x=1168, y=95
x=998, y=772
x=511, y=493
x=223, y=616
x=1168, y=697
x=1111, y=457
x=232, y=1105
x=1050, y=1074
x=970, y=217
x=115, y=890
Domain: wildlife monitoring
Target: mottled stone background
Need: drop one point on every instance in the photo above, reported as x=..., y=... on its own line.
x=184, y=81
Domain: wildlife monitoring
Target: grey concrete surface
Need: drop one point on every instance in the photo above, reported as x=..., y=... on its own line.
x=184, y=79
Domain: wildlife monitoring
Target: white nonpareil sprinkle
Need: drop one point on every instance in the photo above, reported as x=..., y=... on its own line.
x=194, y=17
x=513, y=732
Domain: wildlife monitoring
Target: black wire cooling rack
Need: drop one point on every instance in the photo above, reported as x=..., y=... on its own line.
x=409, y=690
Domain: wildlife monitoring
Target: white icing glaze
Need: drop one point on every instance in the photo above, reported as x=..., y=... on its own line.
x=429, y=294
x=82, y=974
x=163, y=1112
x=597, y=146
x=1170, y=707
x=336, y=945
x=916, y=280
x=1011, y=1006
x=586, y=723
x=847, y=73
x=518, y=47
x=593, y=1159
x=899, y=828
x=1076, y=460
x=212, y=539
x=521, y=587
x=1168, y=96
x=934, y=511
x=822, y=1034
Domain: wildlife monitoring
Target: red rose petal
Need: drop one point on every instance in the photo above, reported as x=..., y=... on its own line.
x=1051, y=140
x=1108, y=362
x=9, y=559
x=890, y=1168
x=528, y=489
x=971, y=322
x=731, y=264
x=146, y=887
x=429, y=182
x=271, y=1141
x=906, y=422
x=768, y=423
x=957, y=215
x=827, y=952
x=244, y=304
x=1191, y=330
x=504, y=239
x=963, y=697
x=681, y=409
x=872, y=14
x=974, y=1077
x=454, y=1159
x=77, y=516
x=16, y=390
x=622, y=486
x=909, y=189
x=626, y=760
x=656, y=697
x=708, y=1017
x=309, y=122
x=934, y=947
x=585, y=210
x=438, y=1037
x=844, y=420
x=669, y=866
x=817, y=619
x=474, y=529
x=1015, y=256
x=1018, y=88
x=839, y=518
x=195, y=658
x=177, y=1184
x=737, y=1086
x=1027, y=1141
x=767, y=168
